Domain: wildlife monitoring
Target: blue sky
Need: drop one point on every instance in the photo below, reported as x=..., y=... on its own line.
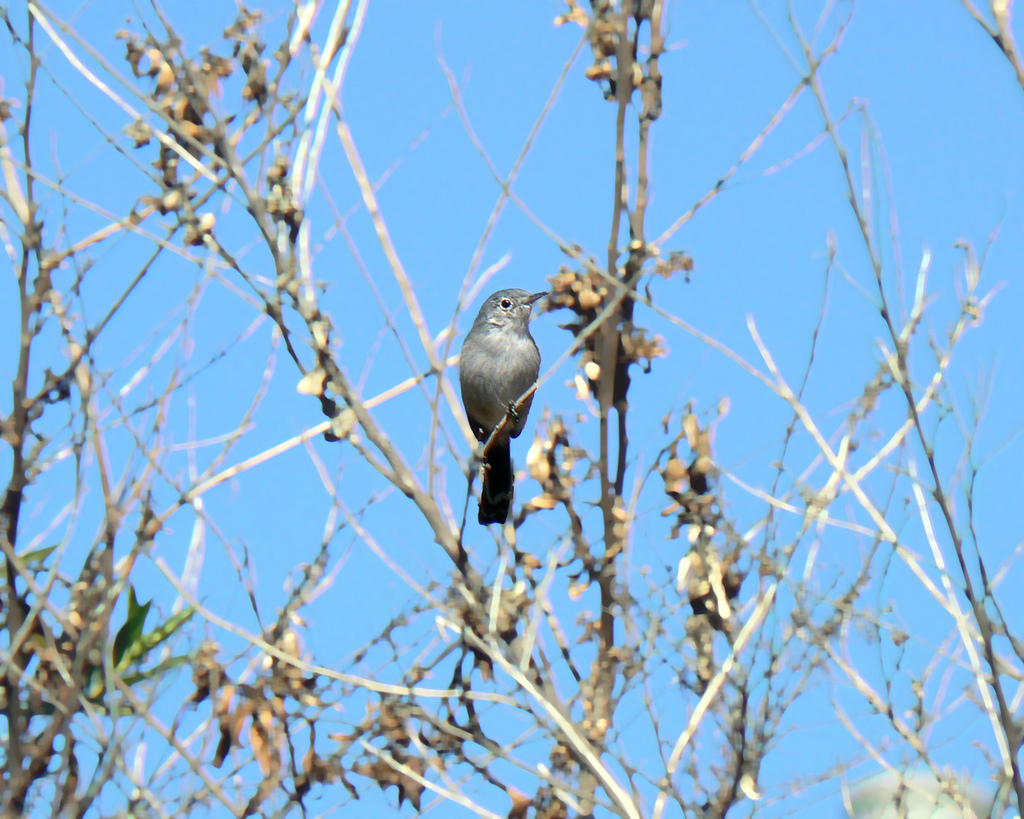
x=932, y=102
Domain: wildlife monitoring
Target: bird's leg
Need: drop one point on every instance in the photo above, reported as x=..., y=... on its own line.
x=513, y=413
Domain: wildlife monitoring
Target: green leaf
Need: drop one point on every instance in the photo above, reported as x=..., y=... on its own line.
x=161, y=633
x=33, y=560
x=147, y=642
x=131, y=631
x=156, y=671
x=95, y=685
x=37, y=556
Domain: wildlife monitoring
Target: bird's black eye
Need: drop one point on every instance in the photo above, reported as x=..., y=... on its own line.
x=506, y=303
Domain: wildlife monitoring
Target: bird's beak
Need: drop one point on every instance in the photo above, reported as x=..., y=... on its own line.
x=534, y=297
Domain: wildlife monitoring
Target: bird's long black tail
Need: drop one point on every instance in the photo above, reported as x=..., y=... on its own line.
x=496, y=495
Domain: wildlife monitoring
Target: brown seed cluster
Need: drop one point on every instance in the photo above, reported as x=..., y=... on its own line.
x=709, y=573
x=604, y=29
x=184, y=96
x=551, y=460
x=586, y=293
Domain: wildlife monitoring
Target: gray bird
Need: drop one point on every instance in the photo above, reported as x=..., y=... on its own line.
x=499, y=362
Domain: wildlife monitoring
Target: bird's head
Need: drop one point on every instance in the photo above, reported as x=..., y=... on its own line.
x=509, y=307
